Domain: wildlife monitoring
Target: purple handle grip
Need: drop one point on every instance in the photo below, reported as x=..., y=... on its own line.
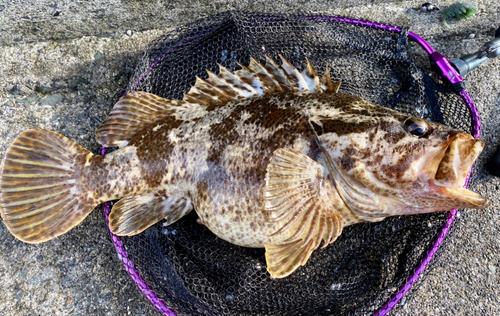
x=447, y=71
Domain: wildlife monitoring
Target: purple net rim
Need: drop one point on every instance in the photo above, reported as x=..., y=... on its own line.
x=396, y=298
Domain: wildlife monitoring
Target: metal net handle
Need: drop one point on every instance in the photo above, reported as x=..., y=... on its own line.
x=396, y=298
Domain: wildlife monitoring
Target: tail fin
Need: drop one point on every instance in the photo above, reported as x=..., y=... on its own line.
x=41, y=195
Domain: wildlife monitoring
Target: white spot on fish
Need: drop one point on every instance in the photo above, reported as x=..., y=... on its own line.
x=157, y=127
x=301, y=145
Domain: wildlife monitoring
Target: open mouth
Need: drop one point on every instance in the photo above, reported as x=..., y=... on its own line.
x=457, y=161
x=452, y=169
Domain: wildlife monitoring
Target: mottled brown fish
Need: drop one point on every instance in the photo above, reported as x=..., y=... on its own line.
x=267, y=156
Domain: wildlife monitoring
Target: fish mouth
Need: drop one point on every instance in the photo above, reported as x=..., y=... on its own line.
x=451, y=168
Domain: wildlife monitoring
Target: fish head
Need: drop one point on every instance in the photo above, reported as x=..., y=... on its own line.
x=400, y=164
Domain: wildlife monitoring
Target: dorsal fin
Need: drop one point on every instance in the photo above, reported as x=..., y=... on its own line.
x=257, y=80
x=136, y=110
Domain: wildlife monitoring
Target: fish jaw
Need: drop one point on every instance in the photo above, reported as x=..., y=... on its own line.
x=439, y=199
x=457, y=161
x=444, y=176
x=451, y=163
x=467, y=198
x=454, y=168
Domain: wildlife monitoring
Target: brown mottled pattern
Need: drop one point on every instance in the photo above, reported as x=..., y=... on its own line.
x=231, y=150
x=219, y=161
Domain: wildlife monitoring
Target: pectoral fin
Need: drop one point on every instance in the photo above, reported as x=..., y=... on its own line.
x=132, y=215
x=295, y=196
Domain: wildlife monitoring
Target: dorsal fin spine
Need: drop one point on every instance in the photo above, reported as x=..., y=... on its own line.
x=200, y=94
x=251, y=78
x=260, y=71
x=213, y=79
x=207, y=87
x=311, y=77
x=281, y=76
x=293, y=74
x=193, y=99
x=244, y=89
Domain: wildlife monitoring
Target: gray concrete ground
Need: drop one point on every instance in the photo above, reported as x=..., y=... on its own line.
x=61, y=62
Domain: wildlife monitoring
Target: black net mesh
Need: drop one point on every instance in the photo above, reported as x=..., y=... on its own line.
x=195, y=272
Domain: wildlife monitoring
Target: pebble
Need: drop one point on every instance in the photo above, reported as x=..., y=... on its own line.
x=28, y=100
x=490, y=279
x=492, y=268
x=53, y=100
x=23, y=274
x=98, y=56
x=19, y=295
x=128, y=32
x=44, y=89
x=73, y=84
x=35, y=280
x=472, y=35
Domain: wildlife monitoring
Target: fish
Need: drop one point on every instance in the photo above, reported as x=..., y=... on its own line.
x=268, y=157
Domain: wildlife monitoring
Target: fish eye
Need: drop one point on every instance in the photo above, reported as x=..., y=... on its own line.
x=417, y=127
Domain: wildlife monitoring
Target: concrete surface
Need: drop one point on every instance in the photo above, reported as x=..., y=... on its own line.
x=61, y=63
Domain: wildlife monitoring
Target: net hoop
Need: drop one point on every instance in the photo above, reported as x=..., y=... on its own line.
x=417, y=273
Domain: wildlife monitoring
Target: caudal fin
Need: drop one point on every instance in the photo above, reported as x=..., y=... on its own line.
x=41, y=195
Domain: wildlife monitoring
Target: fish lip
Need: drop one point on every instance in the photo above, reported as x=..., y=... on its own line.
x=451, y=166
x=450, y=175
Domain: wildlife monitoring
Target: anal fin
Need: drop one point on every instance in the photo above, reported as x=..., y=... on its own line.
x=132, y=215
x=296, y=197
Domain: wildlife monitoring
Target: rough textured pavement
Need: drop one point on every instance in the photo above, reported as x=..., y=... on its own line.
x=61, y=63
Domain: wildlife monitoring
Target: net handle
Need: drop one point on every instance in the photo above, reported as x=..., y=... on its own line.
x=447, y=72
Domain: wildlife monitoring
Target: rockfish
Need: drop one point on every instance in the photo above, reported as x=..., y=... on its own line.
x=267, y=156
